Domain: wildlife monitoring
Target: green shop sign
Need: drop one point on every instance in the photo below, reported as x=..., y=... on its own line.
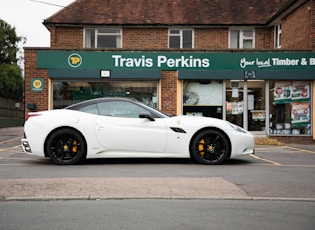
x=190, y=65
x=252, y=61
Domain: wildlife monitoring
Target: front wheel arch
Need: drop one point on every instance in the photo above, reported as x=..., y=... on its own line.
x=65, y=128
x=210, y=129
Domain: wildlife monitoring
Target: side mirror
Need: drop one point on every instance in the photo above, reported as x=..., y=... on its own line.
x=147, y=116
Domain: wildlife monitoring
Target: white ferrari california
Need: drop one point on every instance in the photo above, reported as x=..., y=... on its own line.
x=122, y=127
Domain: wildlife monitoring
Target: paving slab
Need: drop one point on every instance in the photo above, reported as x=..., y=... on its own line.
x=115, y=188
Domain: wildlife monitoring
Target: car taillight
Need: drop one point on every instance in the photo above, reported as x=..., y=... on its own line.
x=31, y=115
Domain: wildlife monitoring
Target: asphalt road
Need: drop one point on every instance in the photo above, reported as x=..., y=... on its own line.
x=274, y=173
x=157, y=214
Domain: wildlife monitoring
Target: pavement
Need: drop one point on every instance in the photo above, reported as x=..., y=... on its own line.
x=119, y=188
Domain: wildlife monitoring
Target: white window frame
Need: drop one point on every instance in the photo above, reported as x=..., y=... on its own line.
x=242, y=37
x=181, y=37
x=97, y=33
x=277, y=33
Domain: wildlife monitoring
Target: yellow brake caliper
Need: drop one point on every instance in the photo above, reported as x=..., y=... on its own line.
x=201, y=147
x=74, y=146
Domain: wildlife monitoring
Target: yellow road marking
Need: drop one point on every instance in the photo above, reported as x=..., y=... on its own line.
x=263, y=159
x=17, y=146
x=301, y=150
x=10, y=140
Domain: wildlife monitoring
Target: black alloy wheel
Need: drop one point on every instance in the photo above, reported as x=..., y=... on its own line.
x=210, y=147
x=66, y=146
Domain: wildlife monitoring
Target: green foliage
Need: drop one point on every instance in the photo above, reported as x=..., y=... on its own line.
x=11, y=81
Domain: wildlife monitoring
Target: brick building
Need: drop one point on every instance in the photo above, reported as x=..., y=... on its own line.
x=249, y=62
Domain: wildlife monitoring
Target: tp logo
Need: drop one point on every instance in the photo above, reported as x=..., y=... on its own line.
x=74, y=60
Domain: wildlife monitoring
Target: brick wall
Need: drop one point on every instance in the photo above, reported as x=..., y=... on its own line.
x=39, y=98
x=66, y=37
x=145, y=38
x=264, y=38
x=296, y=29
x=312, y=35
x=169, y=92
x=295, y=139
x=157, y=38
x=211, y=38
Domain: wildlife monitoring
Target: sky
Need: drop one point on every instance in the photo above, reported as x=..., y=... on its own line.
x=27, y=17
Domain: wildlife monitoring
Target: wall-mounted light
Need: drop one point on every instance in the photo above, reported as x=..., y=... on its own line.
x=105, y=73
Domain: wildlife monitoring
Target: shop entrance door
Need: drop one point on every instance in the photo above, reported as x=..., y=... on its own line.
x=245, y=104
x=256, y=105
x=235, y=102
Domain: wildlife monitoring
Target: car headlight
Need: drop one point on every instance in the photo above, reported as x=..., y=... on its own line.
x=237, y=128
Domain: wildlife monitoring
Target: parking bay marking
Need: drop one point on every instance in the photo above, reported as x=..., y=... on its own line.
x=266, y=160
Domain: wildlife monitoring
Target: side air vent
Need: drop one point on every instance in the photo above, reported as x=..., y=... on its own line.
x=177, y=130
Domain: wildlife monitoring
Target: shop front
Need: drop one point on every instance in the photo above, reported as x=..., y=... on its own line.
x=268, y=93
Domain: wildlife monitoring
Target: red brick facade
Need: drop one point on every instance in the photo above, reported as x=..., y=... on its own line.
x=298, y=33
x=41, y=99
x=169, y=91
x=296, y=29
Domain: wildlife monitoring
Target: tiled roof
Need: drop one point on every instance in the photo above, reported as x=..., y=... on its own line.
x=168, y=12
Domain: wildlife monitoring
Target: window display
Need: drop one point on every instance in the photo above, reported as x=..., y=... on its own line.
x=290, y=108
x=203, y=98
x=68, y=92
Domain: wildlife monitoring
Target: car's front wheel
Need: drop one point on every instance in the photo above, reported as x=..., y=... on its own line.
x=210, y=147
x=66, y=146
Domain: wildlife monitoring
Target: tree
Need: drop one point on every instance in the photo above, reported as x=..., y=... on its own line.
x=11, y=80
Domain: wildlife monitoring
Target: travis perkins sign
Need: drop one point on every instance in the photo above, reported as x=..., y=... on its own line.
x=52, y=59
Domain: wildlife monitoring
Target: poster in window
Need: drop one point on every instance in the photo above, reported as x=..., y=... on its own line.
x=300, y=91
x=283, y=92
x=300, y=114
x=286, y=92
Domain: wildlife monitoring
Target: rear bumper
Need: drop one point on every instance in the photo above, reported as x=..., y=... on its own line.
x=26, y=146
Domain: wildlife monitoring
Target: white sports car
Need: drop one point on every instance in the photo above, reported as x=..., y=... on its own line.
x=121, y=127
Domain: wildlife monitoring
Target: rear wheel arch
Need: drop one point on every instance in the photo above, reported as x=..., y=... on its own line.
x=210, y=129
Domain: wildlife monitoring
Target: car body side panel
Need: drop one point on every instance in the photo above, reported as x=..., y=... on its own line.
x=131, y=134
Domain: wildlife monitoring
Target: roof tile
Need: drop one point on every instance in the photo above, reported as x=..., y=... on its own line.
x=167, y=12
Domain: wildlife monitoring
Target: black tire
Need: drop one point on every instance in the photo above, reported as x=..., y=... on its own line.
x=210, y=147
x=66, y=147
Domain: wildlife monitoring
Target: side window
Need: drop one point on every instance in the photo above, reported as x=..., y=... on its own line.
x=90, y=109
x=180, y=38
x=120, y=109
x=242, y=39
x=102, y=38
x=278, y=36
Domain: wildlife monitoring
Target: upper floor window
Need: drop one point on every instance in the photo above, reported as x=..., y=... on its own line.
x=278, y=36
x=180, y=38
x=103, y=38
x=242, y=39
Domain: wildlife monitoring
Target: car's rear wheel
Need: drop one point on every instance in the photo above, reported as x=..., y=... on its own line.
x=66, y=146
x=210, y=147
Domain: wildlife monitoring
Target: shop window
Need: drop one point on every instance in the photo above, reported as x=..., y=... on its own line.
x=203, y=98
x=69, y=92
x=278, y=36
x=290, y=108
x=103, y=38
x=181, y=38
x=241, y=39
